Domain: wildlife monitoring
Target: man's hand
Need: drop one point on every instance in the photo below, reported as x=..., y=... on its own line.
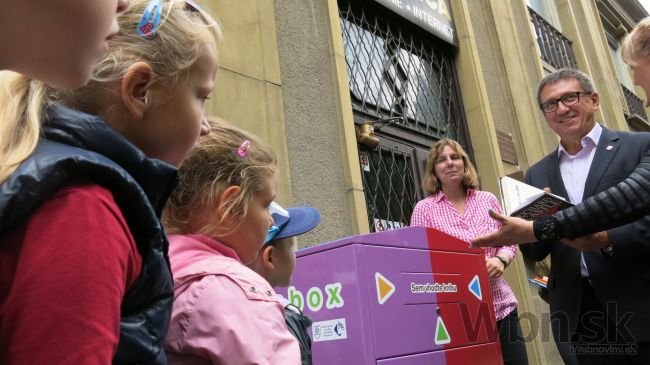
x=495, y=267
x=513, y=231
x=590, y=242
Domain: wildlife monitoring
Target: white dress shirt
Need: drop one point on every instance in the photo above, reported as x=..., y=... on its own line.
x=574, y=170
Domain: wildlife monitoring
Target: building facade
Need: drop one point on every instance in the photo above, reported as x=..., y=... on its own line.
x=312, y=76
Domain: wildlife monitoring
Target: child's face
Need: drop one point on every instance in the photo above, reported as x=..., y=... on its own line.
x=250, y=236
x=170, y=131
x=284, y=262
x=57, y=41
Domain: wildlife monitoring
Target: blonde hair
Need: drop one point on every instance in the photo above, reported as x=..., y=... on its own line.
x=212, y=167
x=175, y=48
x=431, y=183
x=637, y=44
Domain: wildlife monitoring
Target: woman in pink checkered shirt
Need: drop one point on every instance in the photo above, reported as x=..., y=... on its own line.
x=456, y=207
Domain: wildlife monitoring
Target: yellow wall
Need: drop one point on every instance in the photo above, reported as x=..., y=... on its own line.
x=356, y=198
x=248, y=91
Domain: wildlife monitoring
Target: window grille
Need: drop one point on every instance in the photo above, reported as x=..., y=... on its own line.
x=634, y=104
x=389, y=186
x=397, y=70
x=553, y=46
x=394, y=74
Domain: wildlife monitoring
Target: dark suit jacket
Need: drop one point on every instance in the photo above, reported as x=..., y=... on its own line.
x=622, y=281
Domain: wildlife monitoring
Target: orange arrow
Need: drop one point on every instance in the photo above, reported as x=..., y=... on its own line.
x=384, y=288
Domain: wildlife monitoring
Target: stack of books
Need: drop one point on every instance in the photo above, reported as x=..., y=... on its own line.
x=539, y=280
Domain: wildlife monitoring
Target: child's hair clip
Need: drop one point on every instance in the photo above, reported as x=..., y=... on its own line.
x=150, y=20
x=243, y=149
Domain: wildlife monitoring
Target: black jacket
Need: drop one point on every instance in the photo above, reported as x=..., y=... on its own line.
x=297, y=323
x=621, y=204
x=78, y=147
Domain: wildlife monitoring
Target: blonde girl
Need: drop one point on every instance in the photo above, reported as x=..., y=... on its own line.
x=224, y=313
x=84, y=275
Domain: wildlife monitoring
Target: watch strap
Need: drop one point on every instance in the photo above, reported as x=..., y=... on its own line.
x=503, y=261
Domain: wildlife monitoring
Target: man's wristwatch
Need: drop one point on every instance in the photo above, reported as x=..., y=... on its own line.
x=503, y=261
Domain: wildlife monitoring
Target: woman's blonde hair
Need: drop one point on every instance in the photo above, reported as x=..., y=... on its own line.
x=431, y=183
x=176, y=46
x=637, y=44
x=212, y=167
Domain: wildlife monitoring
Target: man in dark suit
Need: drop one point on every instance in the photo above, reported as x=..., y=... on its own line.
x=600, y=292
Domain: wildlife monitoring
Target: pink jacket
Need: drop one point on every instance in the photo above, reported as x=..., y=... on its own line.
x=224, y=312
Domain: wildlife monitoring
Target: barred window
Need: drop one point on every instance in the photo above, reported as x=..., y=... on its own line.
x=398, y=70
x=392, y=73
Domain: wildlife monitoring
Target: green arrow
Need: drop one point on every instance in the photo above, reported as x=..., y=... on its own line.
x=442, y=336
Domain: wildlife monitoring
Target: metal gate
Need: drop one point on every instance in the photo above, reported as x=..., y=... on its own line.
x=397, y=70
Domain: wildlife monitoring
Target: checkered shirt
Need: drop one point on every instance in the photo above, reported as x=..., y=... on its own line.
x=438, y=212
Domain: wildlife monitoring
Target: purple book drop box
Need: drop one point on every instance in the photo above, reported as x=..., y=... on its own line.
x=411, y=296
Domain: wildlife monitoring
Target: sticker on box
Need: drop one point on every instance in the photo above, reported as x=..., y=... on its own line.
x=333, y=329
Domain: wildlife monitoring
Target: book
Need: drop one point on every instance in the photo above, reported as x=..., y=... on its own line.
x=540, y=281
x=528, y=202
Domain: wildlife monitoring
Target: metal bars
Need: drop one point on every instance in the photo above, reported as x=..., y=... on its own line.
x=554, y=47
x=634, y=104
x=389, y=187
x=396, y=71
x=394, y=74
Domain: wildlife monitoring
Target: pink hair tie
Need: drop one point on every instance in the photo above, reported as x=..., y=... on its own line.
x=242, y=151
